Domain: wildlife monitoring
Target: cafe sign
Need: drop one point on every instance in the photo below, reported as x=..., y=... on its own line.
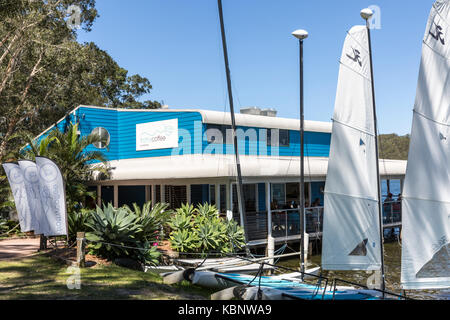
x=157, y=135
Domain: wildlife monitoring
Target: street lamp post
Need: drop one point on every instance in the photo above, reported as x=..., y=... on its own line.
x=302, y=35
x=366, y=14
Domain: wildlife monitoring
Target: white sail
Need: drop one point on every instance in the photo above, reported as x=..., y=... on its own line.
x=351, y=231
x=426, y=193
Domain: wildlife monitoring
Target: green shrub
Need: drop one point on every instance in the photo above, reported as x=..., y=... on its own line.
x=201, y=230
x=183, y=240
x=3, y=226
x=151, y=219
x=115, y=233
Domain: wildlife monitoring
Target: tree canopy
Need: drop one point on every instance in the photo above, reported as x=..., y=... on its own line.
x=393, y=146
x=45, y=72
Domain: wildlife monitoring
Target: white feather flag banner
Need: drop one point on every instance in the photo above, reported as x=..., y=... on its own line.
x=426, y=197
x=53, y=198
x=17, y=184
x=31, y=178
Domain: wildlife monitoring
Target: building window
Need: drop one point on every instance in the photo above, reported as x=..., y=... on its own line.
x=283, y=137
x=128, y=195
x=212, y=195
x=107, y=195
x=104, y=137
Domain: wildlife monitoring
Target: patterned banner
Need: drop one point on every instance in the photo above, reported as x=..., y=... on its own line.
x=17, y=183
x=53, y=197
x=31, y=177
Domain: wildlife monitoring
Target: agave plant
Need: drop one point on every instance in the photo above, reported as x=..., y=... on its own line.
x=182, y=219
x=206, y=210
x=111, y=228
x=208, y=237
x=235, y=236
x=117, y=233
x=77, y=222
x=152, y=219
x=183, y=240
x=202, y=230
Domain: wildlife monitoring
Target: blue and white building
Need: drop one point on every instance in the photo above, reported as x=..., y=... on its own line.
x=186, y=155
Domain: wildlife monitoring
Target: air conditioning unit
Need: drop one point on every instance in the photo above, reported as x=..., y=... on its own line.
x=251, y=110
x=270, y=112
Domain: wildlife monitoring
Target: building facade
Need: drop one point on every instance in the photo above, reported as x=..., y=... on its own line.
x=187, y=156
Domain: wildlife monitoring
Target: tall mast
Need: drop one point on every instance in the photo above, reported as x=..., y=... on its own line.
x=366, y=14
x=240, y=189
x=301, y=35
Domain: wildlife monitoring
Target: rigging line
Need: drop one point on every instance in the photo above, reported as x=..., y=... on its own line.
x=421, y=199
x=350, y=196
x=428, y=118
x=351, y=69
x=439, y=14
x=435, y=51
x=353, y=127
x=357, y=41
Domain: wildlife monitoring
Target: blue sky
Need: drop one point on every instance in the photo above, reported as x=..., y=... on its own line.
x=177, y=45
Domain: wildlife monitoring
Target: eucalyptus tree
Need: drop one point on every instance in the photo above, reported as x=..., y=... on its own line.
x=45, y=72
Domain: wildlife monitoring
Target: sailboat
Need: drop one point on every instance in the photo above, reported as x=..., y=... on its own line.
x=352, y=224
x=426, y=200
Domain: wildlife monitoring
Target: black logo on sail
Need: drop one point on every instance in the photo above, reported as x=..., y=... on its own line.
x=438, y=34
x=360, y=249
x=356, y=56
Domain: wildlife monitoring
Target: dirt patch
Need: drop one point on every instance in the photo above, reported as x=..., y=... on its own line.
x=18, y=248
x=166, y=250
x=69, y=256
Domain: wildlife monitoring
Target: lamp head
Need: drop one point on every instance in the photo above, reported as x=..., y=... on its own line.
x=366, y=13
x=300, y=34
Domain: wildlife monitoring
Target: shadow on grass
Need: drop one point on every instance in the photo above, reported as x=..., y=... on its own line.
x=41, y=277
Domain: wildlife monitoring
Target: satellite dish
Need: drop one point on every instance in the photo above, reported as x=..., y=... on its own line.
x=104, y=137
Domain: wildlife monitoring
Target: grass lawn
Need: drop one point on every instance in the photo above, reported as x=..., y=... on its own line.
x=41, y=277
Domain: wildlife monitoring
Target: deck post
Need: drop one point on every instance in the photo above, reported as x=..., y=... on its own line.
x=270, y=239
x=229, y=201
x=153, y=194
x=81, y=243
x=148, y=195
x=99, y=195
x=163, y=193
x=217, y=196
x=188, y=194
x=116, y=196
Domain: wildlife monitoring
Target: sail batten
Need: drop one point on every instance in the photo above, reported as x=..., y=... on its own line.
x=426, y=201
x=351, y=228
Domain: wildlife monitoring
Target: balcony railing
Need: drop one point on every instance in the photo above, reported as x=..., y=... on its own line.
x=286, y=222
x=392, y=212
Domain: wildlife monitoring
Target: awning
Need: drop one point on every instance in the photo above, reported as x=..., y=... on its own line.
x=214, y=166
